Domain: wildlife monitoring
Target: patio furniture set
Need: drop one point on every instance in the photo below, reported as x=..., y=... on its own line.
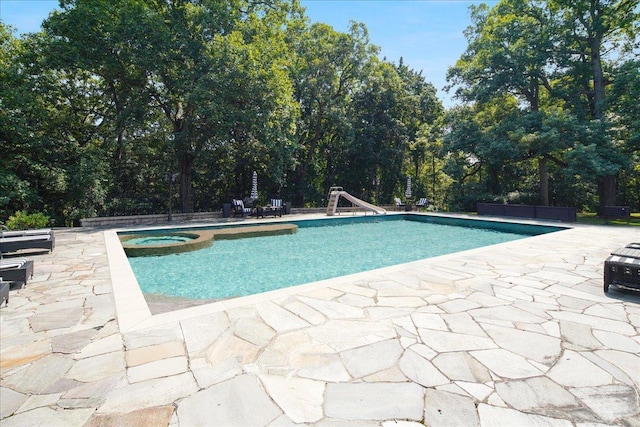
x=242, y=208
x=400, y=205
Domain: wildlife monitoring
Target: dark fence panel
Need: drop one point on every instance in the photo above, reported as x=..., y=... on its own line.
x=520, y=211
x=623, y=212
x=490, y=209
x=565, y=214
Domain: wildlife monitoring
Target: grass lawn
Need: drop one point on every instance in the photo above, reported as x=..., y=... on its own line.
x=592, y=218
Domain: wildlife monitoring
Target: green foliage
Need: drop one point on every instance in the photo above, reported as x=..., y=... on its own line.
x=22, y=220
x=624, y=95
x=535, y=75
x=113, y=95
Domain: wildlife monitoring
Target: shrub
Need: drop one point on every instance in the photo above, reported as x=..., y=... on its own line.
x=23, y=221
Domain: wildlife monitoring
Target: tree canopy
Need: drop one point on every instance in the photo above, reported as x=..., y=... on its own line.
x=114, y=98
x=557, y=61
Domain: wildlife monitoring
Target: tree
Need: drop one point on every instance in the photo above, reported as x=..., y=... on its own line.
x=540, y=52
x=53, y=164
x=624, y=95
x=422, y=114
x=190, y=62
x=428, y=158
x=509, y=52
x=327, y=68
x=15, y=191
x=101, y=39
x=591, y=31
x=374, y=158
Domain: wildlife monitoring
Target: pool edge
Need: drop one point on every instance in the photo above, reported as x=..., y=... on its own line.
x=133, y=313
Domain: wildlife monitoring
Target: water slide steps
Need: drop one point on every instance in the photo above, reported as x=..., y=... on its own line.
x=335, y=196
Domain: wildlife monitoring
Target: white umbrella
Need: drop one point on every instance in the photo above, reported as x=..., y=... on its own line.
x=407, y=193
x=254, y=186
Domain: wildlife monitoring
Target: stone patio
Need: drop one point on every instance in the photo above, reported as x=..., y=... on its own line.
x=514, y=334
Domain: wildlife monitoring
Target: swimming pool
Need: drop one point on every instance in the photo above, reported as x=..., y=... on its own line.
x=321, y=249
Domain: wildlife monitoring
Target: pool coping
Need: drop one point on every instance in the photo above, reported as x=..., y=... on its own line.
x=132, y=310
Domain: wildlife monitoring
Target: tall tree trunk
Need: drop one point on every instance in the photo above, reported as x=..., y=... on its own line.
x=186, y=156
x=607, y=188
x=598, y=79
x=433, y=176
x=185, y=164
x=306, y=160
x=544, y=181
x=608, y=185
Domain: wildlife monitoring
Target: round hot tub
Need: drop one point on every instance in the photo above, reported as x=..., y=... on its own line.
x=163, y=243
x=171, y=242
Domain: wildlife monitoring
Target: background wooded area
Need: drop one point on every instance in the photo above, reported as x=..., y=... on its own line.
x=112, y=96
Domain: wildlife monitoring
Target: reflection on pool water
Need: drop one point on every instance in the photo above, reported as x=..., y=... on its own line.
x=321, y=249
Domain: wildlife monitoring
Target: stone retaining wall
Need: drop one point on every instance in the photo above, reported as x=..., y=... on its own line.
x=162, y=218
x=113, y=221
x=147, y=219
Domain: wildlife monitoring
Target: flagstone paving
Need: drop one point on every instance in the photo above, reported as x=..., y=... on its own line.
x=510, y=335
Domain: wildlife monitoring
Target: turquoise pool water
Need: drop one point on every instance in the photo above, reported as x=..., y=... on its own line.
x=321, y=249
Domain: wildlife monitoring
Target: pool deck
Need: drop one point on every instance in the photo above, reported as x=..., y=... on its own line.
x=513, y=334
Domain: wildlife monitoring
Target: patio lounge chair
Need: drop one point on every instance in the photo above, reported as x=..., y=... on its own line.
x=12, y=241
x=20, y=233
x=276, y=203
x=399, y=204
x=240, y=209
x=422, y=203
x=248, y=202
x=16, y=270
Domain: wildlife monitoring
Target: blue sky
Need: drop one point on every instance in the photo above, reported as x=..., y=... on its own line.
x=427, y=34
